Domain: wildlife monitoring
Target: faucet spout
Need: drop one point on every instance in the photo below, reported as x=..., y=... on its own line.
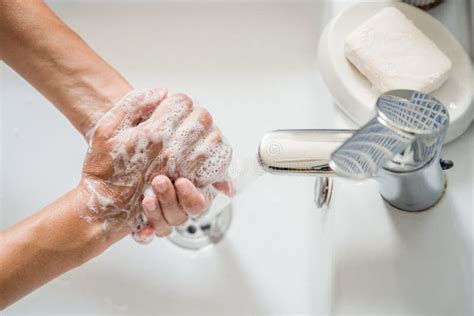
x=300, y=152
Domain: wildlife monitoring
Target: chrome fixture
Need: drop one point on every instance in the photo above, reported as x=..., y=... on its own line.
x=400, y=147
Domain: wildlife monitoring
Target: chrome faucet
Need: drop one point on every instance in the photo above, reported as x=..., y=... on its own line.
x=400, y=147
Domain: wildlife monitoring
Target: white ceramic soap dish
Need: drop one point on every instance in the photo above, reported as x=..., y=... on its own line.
x=353, y=93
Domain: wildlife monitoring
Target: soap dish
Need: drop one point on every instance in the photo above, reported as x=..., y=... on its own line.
x=354, y=94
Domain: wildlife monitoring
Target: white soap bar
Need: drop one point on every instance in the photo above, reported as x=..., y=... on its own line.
x=394, y=54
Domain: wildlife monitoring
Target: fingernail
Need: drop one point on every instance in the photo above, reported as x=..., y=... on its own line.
x=160, y=184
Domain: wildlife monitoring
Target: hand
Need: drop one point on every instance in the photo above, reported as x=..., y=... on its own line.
x=167, y=203
x=139, y=148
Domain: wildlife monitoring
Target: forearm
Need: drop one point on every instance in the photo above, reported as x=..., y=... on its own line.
x=57, y=62
x=47, y=244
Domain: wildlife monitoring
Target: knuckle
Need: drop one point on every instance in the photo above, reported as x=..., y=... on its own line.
x=205, y=118
x=181, y=96
x=184, y=99
x=215, y=137
x=160, y=92
x=136, y=96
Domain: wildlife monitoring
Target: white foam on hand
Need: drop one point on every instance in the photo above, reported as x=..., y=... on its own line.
x=148, y=134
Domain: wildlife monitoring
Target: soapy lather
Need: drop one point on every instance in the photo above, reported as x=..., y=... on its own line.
x=145, y=135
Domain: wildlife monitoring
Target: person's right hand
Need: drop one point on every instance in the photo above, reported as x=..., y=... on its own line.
x=157, y=152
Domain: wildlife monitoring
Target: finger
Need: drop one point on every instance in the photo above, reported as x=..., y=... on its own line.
x=225, y=186
x=142, y=109
x=193, y=202
x=134, y=107
x=190, y=131
x=162, y=124
x=154, y=214
x=197, y=155
x=202, y=149
x=193, y=129
x=212, y=158
x=147, y=231
x=163, y=230
x=166, y=195
x=144, y=235
x=172, y=111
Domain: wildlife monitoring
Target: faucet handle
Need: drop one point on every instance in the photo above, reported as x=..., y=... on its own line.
x=369, y=149
x=406, y=134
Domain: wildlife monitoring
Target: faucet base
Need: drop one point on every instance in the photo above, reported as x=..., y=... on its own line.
x=421, y=210
x=413, y=191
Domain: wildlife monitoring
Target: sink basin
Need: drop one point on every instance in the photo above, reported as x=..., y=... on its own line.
x=253, y=65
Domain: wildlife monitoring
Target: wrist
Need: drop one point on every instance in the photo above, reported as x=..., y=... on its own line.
x=92, y=237
x=95, y=102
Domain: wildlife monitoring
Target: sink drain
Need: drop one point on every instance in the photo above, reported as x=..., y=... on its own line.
x=191, y=229
x=196, y=235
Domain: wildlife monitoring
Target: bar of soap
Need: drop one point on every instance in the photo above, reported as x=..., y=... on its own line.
x=393, y=54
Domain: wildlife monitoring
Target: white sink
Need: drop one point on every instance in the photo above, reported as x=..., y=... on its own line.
x=254, y=66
